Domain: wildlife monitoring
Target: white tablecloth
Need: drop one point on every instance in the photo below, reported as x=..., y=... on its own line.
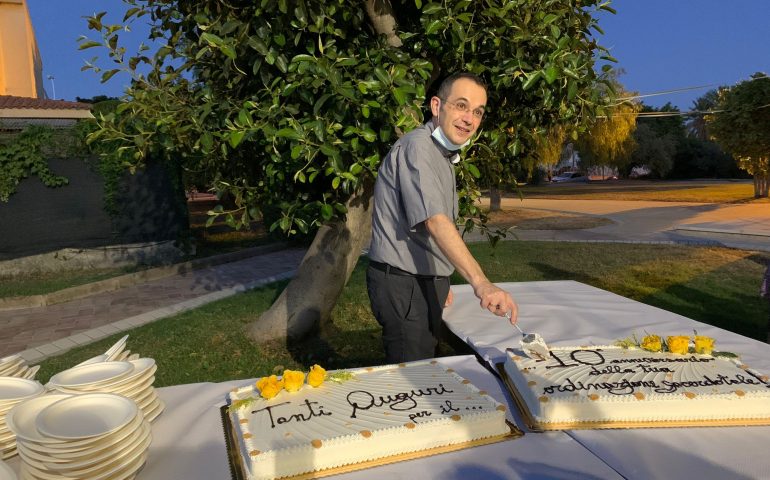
x=571, y=313
x=188, y=443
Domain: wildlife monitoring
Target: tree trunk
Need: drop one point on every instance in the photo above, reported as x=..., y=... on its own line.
x=495, y=199
x=307, y=300
x=380, y=13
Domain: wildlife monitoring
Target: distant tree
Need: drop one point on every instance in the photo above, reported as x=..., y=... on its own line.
x=547, y=150
x=742, y=126
x=654, y=151
x=609, y=140
x=96, y=99
x=696, y=124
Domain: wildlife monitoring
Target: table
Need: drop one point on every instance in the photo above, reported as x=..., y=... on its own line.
x=572, y=313
x=188, y=442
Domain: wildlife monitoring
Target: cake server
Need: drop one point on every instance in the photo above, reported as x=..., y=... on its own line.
x=532, y=344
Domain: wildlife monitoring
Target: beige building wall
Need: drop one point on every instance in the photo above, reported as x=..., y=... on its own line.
x=21, y=69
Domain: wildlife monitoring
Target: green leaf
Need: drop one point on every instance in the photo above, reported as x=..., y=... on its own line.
x=320, y=102
x=531, y=79
x=474, y=170
x=326, y=210
x=109, y=74
x=435, y=26
x=335, y=183
x=235, y=138
x=432, y=8
x=296, y=151
x=287, y=133
x=551, y=73
x=89, y=44
x=369, y=135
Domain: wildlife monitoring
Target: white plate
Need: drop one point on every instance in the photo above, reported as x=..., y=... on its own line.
x=123, y=460
x=21, y=418
x=108, y=456
x=153, y=414
x=92, y=375
x=96, y=359
x=80, y=448
x=14, y=390
x=6, y=473
x=86, y=416
x=103, y=455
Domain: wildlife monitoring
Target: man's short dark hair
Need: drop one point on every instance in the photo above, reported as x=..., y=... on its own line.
x=446, y=86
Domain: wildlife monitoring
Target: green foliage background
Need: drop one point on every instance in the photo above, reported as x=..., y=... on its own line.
x=287, y=108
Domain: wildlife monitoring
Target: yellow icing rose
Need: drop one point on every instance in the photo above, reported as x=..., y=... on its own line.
x=293, y=380
x=269, y=386
x=704, y=345
x=651, y=343
x=316, y=376
x=678, y=344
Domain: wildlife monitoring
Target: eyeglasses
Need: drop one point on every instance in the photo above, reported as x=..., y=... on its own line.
x=462, y=107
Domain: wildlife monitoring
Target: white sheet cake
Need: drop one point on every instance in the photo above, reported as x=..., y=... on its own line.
x=608, y=384
x=380, y=412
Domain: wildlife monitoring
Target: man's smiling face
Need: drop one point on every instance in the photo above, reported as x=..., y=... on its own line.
x=459, y=125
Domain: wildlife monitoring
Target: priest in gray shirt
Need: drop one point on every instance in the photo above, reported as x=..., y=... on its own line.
x=415, y=243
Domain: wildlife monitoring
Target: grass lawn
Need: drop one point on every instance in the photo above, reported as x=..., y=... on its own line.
x=713, y=285
x=739, y=191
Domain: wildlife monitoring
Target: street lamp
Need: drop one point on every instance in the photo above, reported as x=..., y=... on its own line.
x=53, y=86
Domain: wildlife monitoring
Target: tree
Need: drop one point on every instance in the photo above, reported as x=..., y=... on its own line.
x=608, y=141
x=741, y=125
x=288, y=107
x=696, y=125
x=654, y=151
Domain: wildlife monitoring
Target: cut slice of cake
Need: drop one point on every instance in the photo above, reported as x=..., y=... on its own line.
x=377, y=413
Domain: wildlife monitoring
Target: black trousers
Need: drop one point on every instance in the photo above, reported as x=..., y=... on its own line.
x=408, y=308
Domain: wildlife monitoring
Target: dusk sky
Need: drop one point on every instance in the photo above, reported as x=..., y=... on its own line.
x=661, y=45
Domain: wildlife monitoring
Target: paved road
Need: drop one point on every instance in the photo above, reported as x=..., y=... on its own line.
x=745, y=226
x=44, y=331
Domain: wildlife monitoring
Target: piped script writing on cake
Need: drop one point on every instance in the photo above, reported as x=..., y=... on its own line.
x=606, y=386
x=374, y=413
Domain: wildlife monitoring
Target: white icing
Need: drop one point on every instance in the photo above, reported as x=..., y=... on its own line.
x=634, y=385
x=534, y=346
x=286, y=448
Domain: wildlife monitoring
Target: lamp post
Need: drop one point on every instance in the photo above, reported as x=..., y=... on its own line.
x=53, y=86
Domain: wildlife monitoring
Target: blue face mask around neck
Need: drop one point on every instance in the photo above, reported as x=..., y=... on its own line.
x=444, y=141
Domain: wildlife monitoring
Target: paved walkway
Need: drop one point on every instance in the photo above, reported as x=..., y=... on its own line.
x=41, y=332
x=743, y=226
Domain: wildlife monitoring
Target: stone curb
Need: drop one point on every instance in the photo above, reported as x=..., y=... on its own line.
x=41, y=352
x=130, y=279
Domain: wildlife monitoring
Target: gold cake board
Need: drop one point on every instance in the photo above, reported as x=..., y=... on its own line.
x=536, y=426
x=238, y=472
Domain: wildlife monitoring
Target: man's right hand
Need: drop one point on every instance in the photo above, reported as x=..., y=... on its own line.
x=496, y=300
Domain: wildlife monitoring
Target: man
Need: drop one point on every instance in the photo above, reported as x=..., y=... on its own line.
x=415, y=243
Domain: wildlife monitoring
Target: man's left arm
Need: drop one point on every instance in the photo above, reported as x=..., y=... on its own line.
x=448, y=239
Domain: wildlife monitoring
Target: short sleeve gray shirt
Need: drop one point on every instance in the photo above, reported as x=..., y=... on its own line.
x=415, y=181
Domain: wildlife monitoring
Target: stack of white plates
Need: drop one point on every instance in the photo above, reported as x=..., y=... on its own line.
x=15, y=366
x=132, y=379
x=12, y=392
x=98, y=436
